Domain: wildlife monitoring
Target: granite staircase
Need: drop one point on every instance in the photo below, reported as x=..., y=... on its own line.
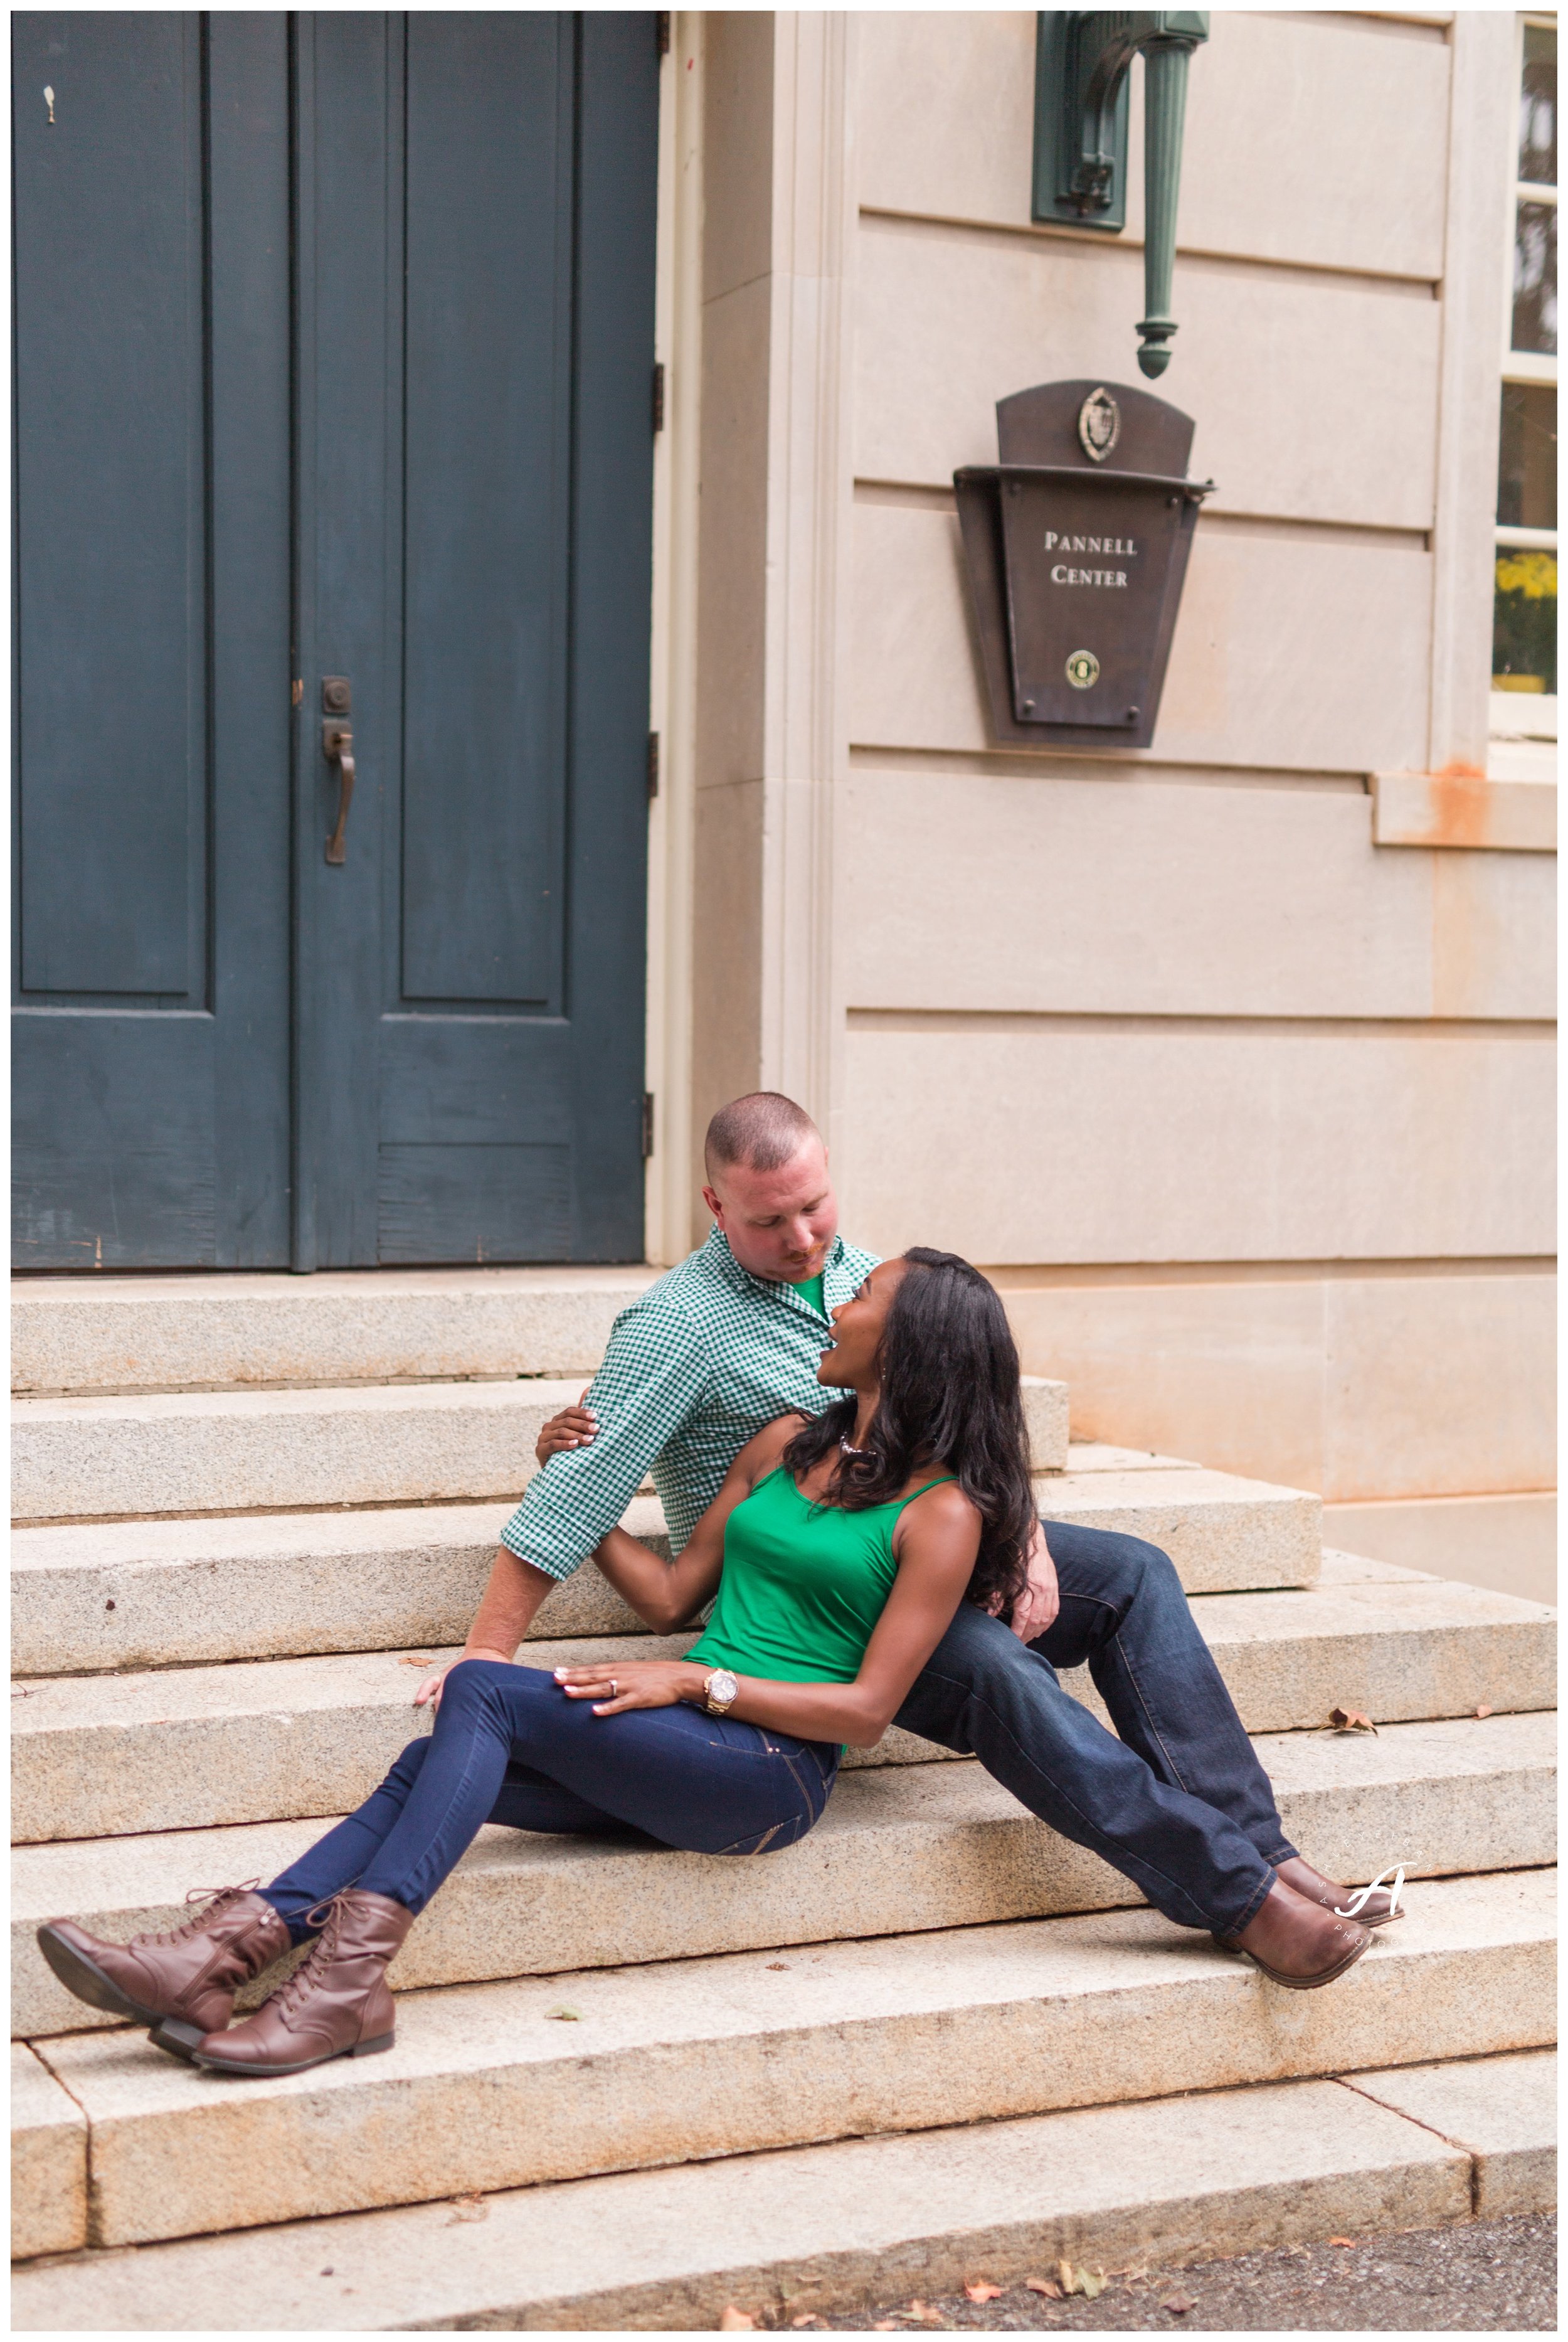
x=934, y=2041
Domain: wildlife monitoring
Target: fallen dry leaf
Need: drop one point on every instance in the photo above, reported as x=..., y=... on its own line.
x=983, y=2292
x=735, y=2321
x=1091, y=2287
x=1349, y=2242
x=417, y=1659
x=1179, y=2304
x=1485, y=1710
x=778, y=1964
x=807, y=2318
x=567, y=2016
x=1044, y=2285
x=467, y=2207
x=882, y=2325
x=1351, y=1719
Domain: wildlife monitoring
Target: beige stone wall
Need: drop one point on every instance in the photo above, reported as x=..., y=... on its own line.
x=1251, y=1115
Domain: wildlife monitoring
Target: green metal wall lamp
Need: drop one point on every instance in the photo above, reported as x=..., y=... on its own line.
x=1082, y=62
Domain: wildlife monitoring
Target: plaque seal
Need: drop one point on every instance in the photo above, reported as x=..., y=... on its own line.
x=1099, y=425
x=1083, y=669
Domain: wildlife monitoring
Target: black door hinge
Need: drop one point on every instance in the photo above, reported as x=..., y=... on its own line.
x=659, y=395
x=647, y=1123
x=662, y=29
x=653, y=766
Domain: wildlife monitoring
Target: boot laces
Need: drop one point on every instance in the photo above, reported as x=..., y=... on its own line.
x=318, y=1959
x=210, y=1899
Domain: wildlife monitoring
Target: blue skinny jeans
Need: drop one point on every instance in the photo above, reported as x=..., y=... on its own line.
x=509, y=1747
x=1176, y=1799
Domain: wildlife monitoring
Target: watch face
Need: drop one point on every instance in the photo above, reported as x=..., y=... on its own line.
x=723, y=1687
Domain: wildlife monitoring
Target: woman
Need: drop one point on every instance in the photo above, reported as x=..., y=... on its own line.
x=839, y=1548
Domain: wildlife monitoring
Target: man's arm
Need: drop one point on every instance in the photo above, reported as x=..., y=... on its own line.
x=504, y=1616
x=655, y=1372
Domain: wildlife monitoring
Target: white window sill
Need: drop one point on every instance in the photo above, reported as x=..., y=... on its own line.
x=1522, y=715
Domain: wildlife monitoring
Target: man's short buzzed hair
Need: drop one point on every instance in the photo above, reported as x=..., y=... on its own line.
x=762, y=1130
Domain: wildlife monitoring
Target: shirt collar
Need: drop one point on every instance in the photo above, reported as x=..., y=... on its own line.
x=718, y=1244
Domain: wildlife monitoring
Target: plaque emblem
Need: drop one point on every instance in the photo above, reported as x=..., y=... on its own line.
x=1099, y=425
x=1082, y=670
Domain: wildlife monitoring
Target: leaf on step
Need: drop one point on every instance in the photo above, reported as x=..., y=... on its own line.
x=1179, y=2304
x=1483, y=1709
x=983, y=2292
x=1351, y=1719
x=417, y=1659
x=735, y=2321
x=807, y=2318
x=1091, y=2286
x=778, y=1964
x=1043, y=2285
x=1348, y=2242
x=882, y=2325
x=924, y=2312
x=467, y=2207
x=567, y=2016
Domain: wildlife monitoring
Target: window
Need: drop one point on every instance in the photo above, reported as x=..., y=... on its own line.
x=1525, y=595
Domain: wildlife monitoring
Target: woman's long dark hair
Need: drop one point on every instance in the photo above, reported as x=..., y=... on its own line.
x=950, y=1396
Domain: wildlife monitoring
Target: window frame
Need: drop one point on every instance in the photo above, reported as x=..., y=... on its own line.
x=1519, y=714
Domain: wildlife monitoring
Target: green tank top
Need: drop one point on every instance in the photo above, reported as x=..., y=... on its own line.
x=803, y=1585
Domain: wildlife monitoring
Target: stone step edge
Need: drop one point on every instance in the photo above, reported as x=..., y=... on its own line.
x=719, y=2058
x=827, y=2229
x=931, y=1848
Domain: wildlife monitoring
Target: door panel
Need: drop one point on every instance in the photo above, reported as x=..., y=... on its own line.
x=152, y=637
x=488, y=474
x=477, y=1092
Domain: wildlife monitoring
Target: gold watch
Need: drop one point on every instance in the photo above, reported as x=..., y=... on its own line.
x=720, y=1692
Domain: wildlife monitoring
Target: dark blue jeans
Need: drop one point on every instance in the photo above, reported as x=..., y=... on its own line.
x=1179, y=1803
x=509, y=1747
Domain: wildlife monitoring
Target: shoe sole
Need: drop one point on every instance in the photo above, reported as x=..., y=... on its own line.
x=302, y=2066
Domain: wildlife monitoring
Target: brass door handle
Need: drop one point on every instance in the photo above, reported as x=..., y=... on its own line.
x=337, y=746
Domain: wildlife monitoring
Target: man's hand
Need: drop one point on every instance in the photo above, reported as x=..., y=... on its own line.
x=1036, y=1606
x=575, y=1426
x=635, y=1683
x=429, y=1692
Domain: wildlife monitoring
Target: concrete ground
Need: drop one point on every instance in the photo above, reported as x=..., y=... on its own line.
x=1496, y=2275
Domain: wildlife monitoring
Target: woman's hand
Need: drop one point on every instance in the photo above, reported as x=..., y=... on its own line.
x=635, y=1683
x=575, y=1426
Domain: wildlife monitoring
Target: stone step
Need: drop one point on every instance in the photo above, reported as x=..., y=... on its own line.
x=81, y=1335
x=486, y=2089
x=286, y=1450
x=901, y=1849
x=99, y=1755
x=828, y=2229
x=114, y=1594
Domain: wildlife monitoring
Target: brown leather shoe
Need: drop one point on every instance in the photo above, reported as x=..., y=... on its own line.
x=182, y=1983
x=1381, y=1905
x=336, y=2004
x=1296, y=1942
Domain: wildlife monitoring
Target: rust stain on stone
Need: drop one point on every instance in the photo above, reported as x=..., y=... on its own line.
x=1461, y=812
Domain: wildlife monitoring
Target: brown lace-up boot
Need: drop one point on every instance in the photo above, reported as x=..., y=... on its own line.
x=182, y=1983
x=336, y=2004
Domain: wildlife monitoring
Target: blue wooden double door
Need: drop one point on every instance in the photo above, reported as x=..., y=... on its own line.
x=333, y=440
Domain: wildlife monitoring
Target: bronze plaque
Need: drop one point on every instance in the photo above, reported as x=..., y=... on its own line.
x=1076, y=545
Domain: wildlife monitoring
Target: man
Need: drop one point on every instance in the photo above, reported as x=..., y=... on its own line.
x=728, y=1340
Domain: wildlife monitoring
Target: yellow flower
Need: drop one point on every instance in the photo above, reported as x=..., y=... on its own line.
x=1534, y=574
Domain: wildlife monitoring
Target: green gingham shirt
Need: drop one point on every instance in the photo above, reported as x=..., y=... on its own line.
x=693, y=1368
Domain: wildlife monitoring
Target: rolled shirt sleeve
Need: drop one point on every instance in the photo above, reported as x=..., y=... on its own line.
x=655, y=1373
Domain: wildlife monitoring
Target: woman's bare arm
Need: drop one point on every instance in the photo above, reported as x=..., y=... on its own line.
x=935, y=1544
x=668, y=1595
